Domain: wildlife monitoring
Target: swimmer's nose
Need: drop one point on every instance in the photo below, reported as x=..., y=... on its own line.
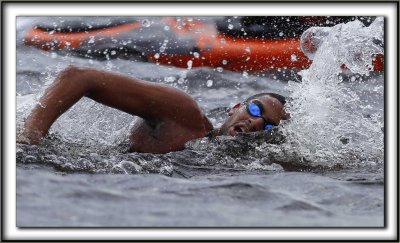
x=255, y=123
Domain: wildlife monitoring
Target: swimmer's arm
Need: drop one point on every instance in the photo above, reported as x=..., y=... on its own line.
x=153, y=102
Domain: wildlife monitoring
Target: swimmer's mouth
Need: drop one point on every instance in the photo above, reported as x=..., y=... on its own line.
x=240, y=129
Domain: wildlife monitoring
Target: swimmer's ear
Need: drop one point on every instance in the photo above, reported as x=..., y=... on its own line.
x=231, y=110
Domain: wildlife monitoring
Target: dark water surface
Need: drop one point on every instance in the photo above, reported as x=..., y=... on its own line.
x=81, y=174
x=50, y=198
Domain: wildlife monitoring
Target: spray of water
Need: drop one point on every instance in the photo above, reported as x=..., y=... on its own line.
x=328, y=123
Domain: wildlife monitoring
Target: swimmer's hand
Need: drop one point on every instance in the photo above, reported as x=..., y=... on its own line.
x=28, y=135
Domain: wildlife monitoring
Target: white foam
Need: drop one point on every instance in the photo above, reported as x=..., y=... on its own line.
x=328, y=120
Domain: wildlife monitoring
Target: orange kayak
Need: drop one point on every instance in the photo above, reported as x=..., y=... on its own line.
x=182, y=43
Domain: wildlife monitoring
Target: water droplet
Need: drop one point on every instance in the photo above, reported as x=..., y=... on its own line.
x=181, y=80
x=41, y=105
x=157, y=55
x=169, y=79
x=113, y=53
x=183, y=74
x=245, y=74
x=146, y=23
x=247, y=49
x=209, y=83
x=166, y=27
x=91, y=39
x=189, y=64
x=224, y=62
x=280, y=33
x=196, y=54
x=230, y=26
x=220, y=69
x=53, y=55
x=293, y=58
x=222, y=40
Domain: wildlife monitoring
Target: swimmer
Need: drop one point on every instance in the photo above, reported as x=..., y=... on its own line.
x=168, y=116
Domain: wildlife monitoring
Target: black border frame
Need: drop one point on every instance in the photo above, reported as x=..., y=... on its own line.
x=3, y=3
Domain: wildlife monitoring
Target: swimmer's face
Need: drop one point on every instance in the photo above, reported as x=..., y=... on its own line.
x=240, y=121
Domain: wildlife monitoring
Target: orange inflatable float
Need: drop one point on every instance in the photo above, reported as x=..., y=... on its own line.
x=182, y=42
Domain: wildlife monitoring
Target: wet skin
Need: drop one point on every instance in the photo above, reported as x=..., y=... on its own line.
x=168, y=116
x=239, y=120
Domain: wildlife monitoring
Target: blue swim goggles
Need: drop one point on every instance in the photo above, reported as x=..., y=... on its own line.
x=256, y=110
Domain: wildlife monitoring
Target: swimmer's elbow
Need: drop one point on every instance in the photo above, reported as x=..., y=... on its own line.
x=69, y=71
x=79, y=77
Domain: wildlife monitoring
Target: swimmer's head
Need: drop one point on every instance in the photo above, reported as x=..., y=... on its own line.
x=259, y=112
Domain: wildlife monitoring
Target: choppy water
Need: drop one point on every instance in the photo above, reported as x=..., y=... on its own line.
x=323, y=168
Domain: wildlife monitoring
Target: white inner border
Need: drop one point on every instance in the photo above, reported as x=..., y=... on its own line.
x=12, y=10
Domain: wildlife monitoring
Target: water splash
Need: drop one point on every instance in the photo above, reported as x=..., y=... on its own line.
x=328, y=121
x=326, y=118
